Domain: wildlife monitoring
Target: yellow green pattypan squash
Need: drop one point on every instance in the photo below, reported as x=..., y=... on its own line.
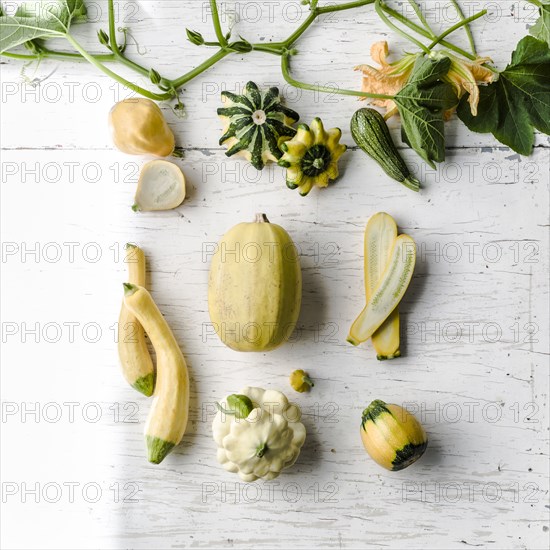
x=311, y=156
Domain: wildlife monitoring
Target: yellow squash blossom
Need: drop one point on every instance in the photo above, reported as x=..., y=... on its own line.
x=465, y=76
x=390, y=78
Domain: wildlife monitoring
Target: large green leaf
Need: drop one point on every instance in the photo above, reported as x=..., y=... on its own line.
x=518, y=101
x=35, y=19
x=422, y=103
x=541, y=29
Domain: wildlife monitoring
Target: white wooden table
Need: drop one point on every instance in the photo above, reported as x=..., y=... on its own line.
x=475, y=365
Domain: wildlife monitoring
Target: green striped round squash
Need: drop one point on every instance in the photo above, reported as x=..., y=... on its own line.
x=311, y=156
x=392, y=436
x=255, y=124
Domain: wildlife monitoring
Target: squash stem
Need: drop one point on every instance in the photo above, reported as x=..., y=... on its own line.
x=411, y=183
x=261, y=450
x=129, y=289
x=261, y=218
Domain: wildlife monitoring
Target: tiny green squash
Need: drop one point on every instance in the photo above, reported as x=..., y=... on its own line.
x=392, y=436
x=311, y=156
x=255, y=124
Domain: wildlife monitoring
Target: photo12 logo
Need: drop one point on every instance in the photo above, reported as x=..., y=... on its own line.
x=452, y=492
x=69, y=492
x=272, y=491
x=474, y=411
x=53, y=412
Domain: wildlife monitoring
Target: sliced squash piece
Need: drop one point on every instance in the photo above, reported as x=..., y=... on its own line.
x=161, y=186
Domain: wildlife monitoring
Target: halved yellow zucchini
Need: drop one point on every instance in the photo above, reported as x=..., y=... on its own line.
x=380, y=234
x=389, y=291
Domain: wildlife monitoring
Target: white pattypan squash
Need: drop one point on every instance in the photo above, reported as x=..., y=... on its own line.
x=258, y=433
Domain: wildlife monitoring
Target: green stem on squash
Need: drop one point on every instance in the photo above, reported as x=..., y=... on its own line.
x=261, y=450
x=457, y=26
x=285, y=69
x=129, y=289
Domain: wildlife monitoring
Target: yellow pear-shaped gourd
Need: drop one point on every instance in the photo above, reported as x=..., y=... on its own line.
x=138, y=128
x=255, y=286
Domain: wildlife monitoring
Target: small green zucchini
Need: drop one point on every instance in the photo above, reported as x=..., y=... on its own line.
x=371, y=133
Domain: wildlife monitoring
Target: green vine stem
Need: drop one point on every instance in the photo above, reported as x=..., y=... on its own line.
x=457, y=26
x=421, y=17
x=422, y=31
x=113, y=44
x=219, y=55
x=115, y=76
x=285, y=69
x=217, y=25
x=341, y=7
x=46, y=52
x=382, y=15
x=466, y=28
x=283, y=48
